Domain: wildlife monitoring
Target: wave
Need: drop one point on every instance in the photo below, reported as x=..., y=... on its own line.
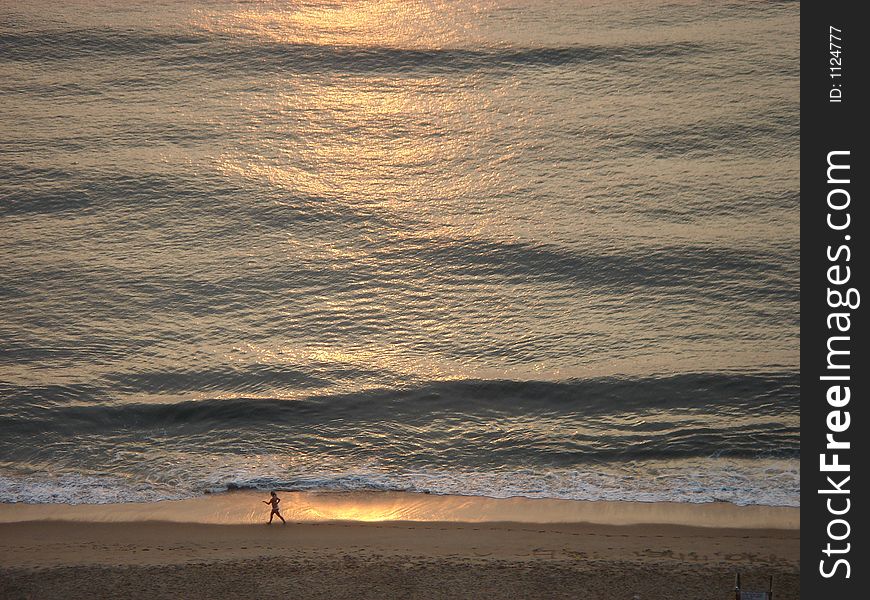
x=225, y=52
x=682, y=266
x=42, y=190
x=455, y=422
x=694, y=271
x=764, y=391
x=759, y=137
x=68, y=44
x=352, y=59
x=769, y=483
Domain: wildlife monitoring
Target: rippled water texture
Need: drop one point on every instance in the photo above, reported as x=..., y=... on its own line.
x=533, y=248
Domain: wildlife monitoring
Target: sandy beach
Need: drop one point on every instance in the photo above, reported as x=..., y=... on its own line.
x=125, y=557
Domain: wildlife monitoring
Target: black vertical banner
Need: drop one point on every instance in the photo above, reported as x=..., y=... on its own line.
x=834, y=263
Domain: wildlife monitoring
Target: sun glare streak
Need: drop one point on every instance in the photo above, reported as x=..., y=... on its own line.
x=362, y=137
x=395, y=23
x=363, y=134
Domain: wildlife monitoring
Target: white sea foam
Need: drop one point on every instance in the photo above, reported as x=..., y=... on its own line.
x=759, y=482
x=81, y=489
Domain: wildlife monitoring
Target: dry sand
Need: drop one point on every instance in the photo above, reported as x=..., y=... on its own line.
x=73, y=558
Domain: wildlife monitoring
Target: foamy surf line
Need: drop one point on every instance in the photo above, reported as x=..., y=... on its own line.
x=765, y=482
x=246, y=507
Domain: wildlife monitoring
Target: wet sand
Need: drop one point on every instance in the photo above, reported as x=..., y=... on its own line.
x=245, y=507
x=121, y=556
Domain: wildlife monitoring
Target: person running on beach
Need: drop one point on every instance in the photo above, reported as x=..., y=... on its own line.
x=274, y=500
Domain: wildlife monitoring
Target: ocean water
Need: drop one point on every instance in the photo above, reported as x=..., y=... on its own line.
x=538, y=248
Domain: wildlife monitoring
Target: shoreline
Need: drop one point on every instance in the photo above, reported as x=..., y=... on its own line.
x=245, y=507
x=127, y=552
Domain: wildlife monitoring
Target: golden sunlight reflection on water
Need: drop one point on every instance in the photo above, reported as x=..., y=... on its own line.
x=246, y=508
x=396, y=147
x=383, y=174
x=408, y=24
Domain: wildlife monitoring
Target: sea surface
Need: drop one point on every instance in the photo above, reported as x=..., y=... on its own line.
x=502, y=248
